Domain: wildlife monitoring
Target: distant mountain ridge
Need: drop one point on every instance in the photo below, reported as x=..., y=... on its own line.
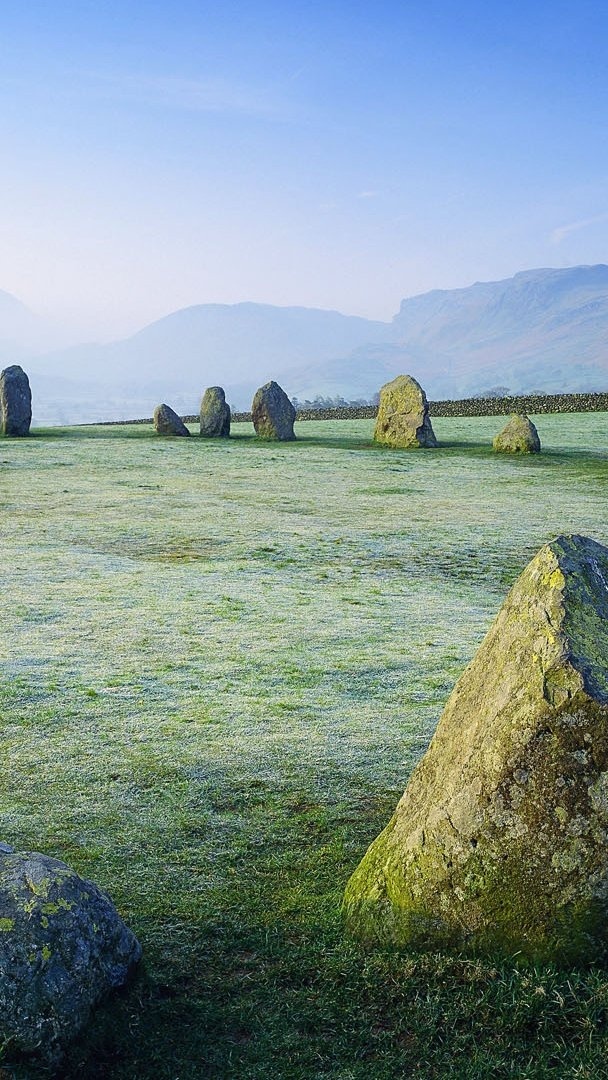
x=542, y=329
x=237, y=346
x=22, y=333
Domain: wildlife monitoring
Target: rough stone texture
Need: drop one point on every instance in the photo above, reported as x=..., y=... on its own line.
x=403, y=417
x=519, y=436
x=215, y=414
x=500, y=842
x=272, y=413
x=62, y=947
x=15, y=401
x=168, y=422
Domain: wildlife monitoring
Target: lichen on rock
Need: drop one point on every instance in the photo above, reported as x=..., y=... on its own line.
x=214, y=414
x=15, y=401
x=403, y=419
x=499, y=843
x=519, y=436
x=272, y=413
x=63, y=946
x=167, y=422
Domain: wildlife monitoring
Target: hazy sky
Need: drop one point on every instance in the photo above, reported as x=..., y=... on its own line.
x=341, y=155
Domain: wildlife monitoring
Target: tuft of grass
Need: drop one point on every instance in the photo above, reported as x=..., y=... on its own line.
x=219, y=665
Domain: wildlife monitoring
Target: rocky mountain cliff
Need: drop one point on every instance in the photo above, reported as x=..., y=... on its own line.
x=542, y=329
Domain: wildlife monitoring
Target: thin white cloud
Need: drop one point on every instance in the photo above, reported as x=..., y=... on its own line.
x=367, y=194
x=564, y=231
x=297, y=74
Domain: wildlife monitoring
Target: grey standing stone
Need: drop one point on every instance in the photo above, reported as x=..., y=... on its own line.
x=215, y=414
x=403, y=419
x=499, y=842
x=519, y=436
x=272, y=413
x=63, y=946
x=15, y=401
x=167, y=422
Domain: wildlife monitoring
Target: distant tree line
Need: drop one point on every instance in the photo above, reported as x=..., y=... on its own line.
x=337, y=402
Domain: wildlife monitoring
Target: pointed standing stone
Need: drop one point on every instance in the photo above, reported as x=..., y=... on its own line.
x=167, y=422
x=215, y=414
x=519, y=436
x=15, y=401
x=500, y=841
x=272, y=413
x=403, y=419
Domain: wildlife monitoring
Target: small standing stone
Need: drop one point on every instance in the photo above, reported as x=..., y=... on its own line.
x=272, y=413
x=403, y=419
x=519, y=436
x=63, y=946
x=167, y=422
x=15, y=401
x=215, y=414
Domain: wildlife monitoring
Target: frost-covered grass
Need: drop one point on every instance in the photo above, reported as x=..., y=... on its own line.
x=220, y=661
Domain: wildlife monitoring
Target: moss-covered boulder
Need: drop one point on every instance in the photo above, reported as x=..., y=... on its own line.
x=63, y=946
x=167, y=422
x=215, y=414
x=519, y=436
x=15, y=401
x=272, y=413
x=403, y=419
x=500, y=842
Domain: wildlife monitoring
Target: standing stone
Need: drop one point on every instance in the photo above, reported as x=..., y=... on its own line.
x=272, y=413
x=519, y=436
x=215, y=414
x=63, y=946
x=403, y=419
x=15, y=401
x=168, y=422
x=500, y=842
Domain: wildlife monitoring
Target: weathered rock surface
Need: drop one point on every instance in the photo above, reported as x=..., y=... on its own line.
x=403, y=419
x=519, y=436
x=272, y=413
x=215, y=414
x=500, y=841
x=63, y=946
x=167, y=422
x=15, y=401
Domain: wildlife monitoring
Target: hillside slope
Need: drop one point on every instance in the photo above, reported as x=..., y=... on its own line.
x=539, y=330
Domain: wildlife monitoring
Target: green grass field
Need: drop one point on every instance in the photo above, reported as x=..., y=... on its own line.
x=220, y=662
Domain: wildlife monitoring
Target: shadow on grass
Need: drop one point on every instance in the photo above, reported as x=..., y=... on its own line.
x=450, y=448
x=263, y=999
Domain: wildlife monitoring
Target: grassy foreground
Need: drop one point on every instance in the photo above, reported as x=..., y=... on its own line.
x=220, y=662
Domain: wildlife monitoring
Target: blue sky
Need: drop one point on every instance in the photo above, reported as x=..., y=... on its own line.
x=342, y=155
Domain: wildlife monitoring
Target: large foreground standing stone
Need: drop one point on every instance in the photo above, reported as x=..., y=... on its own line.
x=403, y=415
x=15, y=401
x=215, y=414
x=272, y=413
x=62, y=947
x=500, y=842
x=519, y=436
x=167, y=422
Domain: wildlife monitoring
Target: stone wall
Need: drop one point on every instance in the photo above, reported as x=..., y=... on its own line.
x=531, y=403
